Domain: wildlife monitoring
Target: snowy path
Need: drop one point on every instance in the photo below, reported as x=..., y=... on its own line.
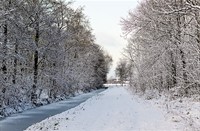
x=112, y=110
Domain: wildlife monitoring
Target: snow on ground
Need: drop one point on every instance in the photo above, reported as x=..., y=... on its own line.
x=182, y=110
x=185, y=110
x=112, y=110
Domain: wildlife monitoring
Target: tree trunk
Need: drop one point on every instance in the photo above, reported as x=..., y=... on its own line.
x=173, y=64
x=15, y=63
x=198, y=31
x=173, y=70
x=4, y=68
x=35, y=67
x=182, y=54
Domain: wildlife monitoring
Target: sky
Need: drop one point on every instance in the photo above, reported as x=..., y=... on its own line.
x=104, y=17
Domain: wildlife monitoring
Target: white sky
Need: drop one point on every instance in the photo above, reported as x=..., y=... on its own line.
x=105, y=16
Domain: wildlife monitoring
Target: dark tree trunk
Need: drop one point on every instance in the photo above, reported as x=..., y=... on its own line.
x=35, y=66
x=184, y=67
x=15, y=63
x=4, y=68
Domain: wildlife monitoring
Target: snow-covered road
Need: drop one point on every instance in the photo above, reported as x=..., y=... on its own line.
x=112, y=110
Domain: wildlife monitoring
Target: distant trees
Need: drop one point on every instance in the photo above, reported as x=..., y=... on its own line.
x=164, y=45
x=121, y=71
x=47, y=52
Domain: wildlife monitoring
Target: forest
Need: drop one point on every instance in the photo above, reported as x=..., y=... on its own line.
x=164, y=46
x=47, y=53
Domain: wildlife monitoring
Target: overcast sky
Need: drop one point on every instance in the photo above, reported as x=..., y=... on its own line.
x=105, y=16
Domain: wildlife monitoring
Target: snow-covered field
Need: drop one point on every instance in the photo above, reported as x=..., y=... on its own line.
x=112, y=110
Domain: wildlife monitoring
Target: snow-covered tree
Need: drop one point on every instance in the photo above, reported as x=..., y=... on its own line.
x=48, y=52
x=121, y=71
x=164, y=44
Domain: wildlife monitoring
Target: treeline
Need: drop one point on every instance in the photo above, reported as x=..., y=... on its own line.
x=164, y=45
x=47, y=52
